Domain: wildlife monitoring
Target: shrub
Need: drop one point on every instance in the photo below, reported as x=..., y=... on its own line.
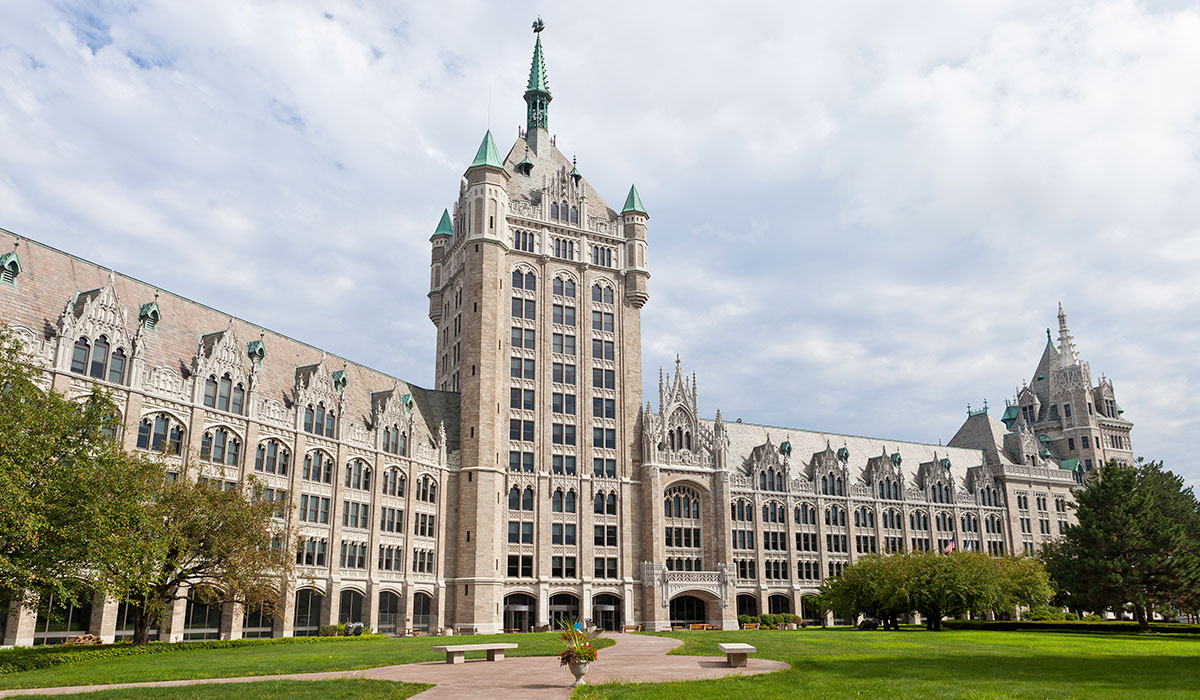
x=1043, y=614
x=1109, y=626
x=1070, y=616
x=746, y=619
x=32, y=658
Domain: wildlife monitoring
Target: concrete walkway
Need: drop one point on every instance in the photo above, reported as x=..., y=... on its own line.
x=634, y=658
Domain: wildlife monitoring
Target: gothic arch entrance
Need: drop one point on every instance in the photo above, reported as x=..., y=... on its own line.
x=779, y=604
x=747, y=604
x=688, y=610
x=519, y=612
x=606, y=612
x=563, y=606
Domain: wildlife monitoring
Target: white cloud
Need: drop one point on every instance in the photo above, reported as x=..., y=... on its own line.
x=862, y=214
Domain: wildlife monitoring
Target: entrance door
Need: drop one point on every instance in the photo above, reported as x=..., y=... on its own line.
x=687, y=610
x=422, y=609
x=606, y=612
x=519, y=610
x=563, y=607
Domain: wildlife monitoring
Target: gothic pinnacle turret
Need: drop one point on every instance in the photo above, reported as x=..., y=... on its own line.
x=1066, y=344
x=537, y=93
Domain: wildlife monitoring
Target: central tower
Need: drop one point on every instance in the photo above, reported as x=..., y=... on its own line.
x=536, y=291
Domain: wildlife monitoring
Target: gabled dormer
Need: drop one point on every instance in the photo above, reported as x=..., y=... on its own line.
x=936, y=480
x=829, y=472
x=392, y=419
x=94, y=338
x=317, y=395
x=884, y=477
x=223, y=372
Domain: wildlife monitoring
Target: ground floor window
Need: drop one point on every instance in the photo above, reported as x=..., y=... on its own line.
x=747, y=605
x=389, y=613
x=126, y=622
x=307, y=622
x=202, y=619
x=350, y=609
x=519, y=612
x=606, y=612
x=422, y=611
x=56, y=620
x=258, y=622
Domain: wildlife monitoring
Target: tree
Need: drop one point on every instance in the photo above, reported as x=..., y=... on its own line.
x=67, y=490
x=876, y=586
x=937, y=585
x=197, y=536
x=1137, y=542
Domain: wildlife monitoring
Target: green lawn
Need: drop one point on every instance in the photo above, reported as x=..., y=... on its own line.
x=915, y=664
x=355, y=689
x=269, y=660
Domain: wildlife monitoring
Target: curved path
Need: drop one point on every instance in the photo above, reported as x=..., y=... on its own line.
x=634, y=658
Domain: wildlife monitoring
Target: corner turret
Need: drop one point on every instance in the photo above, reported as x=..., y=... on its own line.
x=637, y=273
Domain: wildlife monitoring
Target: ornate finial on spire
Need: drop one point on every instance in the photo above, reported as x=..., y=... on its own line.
x=538, y=25
x=676, y=363
x=1048, y=339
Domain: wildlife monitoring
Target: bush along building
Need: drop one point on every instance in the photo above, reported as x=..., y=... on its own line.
x=532, y=483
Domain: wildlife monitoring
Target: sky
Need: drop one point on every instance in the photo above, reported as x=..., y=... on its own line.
x=863, y=215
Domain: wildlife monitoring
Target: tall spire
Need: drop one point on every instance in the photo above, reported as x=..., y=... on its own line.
x=1066, y=344
x=537, y=93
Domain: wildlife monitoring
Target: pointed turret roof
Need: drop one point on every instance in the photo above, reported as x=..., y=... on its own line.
x=633, y=202
x=487, y=155
x=1066, y=343
x=444, y=227
x=538, y=81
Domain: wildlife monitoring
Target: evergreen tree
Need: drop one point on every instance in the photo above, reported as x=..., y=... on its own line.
x=1137, y=542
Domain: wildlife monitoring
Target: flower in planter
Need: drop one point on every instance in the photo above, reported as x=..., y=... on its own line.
x=579, y=642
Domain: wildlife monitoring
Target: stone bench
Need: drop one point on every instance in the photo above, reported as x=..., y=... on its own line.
x=735, y=654
x=456, y=653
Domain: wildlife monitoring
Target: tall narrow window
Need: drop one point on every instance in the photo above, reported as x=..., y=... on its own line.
x=116, y=367
x=99, y=357
x=79, y=357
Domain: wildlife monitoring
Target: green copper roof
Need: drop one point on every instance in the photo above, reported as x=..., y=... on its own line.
x=1119, y=409
x=538, y=82
x=1069, y=464
x=1044, y=438
x=487, y=155
x=1010, y=414
x=633, y=202
x=444, y=227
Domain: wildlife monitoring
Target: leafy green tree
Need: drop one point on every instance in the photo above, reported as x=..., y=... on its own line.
x=876, y=586
x=1137, y=542
x=1018, y=582
x=67, y=490
x=194, y=534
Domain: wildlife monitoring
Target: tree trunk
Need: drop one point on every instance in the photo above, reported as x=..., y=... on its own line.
x=141, y=626
x=1139, y=614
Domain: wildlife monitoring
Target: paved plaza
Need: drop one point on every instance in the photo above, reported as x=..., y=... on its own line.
x=634, y=658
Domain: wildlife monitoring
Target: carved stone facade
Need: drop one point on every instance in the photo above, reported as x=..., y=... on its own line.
x=533, y=484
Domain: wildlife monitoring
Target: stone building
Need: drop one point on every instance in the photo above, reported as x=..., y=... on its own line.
x=470, y=505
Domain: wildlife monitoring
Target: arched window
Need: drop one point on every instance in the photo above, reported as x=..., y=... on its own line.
x=159, y=433
x=220, y=447
x=99, y=357
x=318, y=466
x=574, y=215
x=556, y=501
x=518, y=280
x=682, y=502
x=527, y=499
x=308, y=411
x=598, y=503
x=358, y=475
x=426, y=489
x=393, y=482
x=569, y=501
x=553, y=210
x=116, y=367
x=224, y=389
x=514, y=498
x=272, y=458
x=79, y=356
x=610, y=504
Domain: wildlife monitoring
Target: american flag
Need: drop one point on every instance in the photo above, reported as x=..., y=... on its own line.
x=949, y=548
